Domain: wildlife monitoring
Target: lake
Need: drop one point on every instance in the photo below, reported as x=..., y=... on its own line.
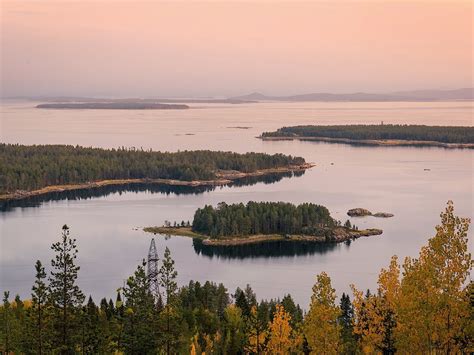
x=413, y=183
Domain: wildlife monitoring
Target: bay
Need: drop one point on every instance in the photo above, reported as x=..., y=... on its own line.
x=413, y=183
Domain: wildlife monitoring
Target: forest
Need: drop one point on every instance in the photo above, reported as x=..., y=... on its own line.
x=424, y=305
x=262, y=218
x=444, y=134
x=33, y=167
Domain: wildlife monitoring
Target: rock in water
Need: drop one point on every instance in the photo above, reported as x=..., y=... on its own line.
x=383, y=214
x=359, y=212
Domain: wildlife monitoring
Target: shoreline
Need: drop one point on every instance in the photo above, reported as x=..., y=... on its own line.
x=222, y=178
x=340, y=234
x=374, y=142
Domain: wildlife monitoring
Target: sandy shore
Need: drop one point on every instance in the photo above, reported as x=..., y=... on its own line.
x=386, y=143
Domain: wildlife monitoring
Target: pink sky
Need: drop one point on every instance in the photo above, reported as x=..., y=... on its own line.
x=221, y=49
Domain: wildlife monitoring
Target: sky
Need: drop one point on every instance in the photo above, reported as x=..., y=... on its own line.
x=221, y=49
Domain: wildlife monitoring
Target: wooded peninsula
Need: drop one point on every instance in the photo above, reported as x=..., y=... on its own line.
x=383, y=134
x=33, y=170
x=256, y=222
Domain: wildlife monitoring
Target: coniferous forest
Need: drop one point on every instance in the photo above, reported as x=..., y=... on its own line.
x=33, y=167
x=423, y=305
x=444, y=134
x=261, y=218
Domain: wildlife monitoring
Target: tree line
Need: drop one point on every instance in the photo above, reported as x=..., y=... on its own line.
x=444, y=134
x=262, y=218
x=33, y=167
x=425, y=305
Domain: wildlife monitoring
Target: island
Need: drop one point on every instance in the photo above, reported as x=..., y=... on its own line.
x=380, y=135
x=27, y=171
x=362, y=212
x=113, y=106
x=258, y=222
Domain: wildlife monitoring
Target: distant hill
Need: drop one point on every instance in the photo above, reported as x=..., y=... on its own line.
x=418, y=95
x=458, y=94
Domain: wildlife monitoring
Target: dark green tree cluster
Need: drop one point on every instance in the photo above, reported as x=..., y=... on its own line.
x=262, y=218
x=444, y=134
x=33, y=167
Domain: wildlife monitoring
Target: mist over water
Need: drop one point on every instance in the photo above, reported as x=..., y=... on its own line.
x=412, y=183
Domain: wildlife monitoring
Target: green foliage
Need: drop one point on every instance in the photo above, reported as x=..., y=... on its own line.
x=444, y=134
x=139, y=336
x=39, y=314
x=6, y=323
x=262, y=218
x=65, y=295
x=34, y=167
x=170, y=319
x=346, y=319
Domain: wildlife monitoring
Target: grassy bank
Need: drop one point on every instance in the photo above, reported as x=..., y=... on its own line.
x=340, y=234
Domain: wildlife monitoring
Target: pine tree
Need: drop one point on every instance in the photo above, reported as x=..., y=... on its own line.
x=256, y=331
x=170, y=315
x=65, y=295
x=321, y=326
x=39, y=298
x=233, y=331
x=139, y=314
x=117, y=326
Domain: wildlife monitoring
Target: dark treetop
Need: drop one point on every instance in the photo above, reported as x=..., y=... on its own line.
x=261, y=218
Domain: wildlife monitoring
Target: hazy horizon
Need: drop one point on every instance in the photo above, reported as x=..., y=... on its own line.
x=121, y=49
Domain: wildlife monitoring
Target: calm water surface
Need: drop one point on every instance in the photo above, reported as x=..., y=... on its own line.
x=107, y=224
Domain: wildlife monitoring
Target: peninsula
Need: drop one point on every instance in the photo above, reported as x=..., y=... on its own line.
x=380, y=135
x=257, y=222
x=27, y=171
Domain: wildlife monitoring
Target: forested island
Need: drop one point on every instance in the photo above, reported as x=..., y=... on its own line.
x=113, y=106
x=256, y=222
x=383, y=134
x=38, y=169
x=421, y=306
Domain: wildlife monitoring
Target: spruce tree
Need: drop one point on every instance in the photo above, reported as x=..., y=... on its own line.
x=65, y=295
x=346, y=318
x=92, y=341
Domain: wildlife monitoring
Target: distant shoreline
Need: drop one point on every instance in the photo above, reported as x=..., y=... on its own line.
x=222, y=178
x=373, y=142
x=340, y=234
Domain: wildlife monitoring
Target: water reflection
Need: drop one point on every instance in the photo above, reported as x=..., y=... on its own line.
x=90, y=193
x=271, y=249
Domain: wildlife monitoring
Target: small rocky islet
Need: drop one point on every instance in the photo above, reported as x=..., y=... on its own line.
x=362, y=212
